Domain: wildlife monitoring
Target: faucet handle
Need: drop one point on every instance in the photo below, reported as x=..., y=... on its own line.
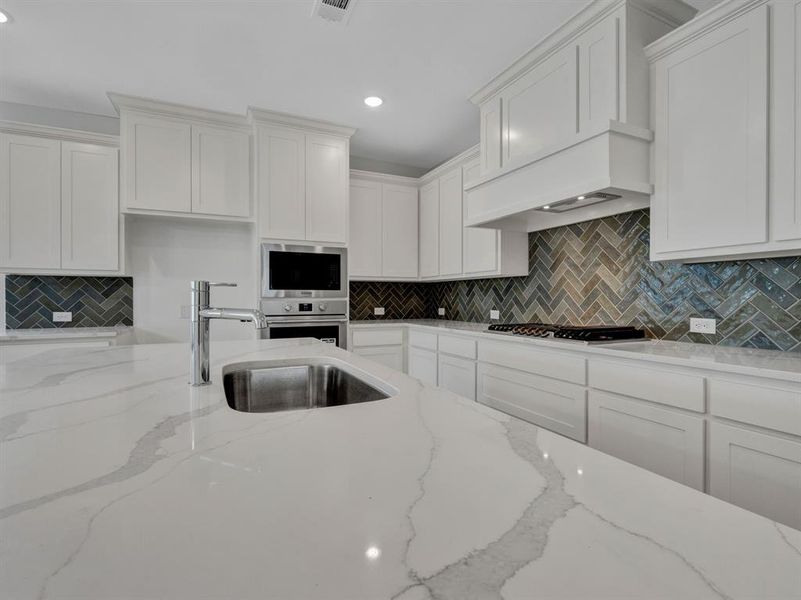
x=223, y=284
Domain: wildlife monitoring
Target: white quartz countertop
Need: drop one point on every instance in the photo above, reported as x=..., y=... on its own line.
x=743, y=361
x=60, y=333
x=118, y=480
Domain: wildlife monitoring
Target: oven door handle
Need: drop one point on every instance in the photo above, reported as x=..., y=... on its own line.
x=306, y=319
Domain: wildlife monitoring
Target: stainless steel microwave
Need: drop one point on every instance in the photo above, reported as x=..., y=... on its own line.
x=295, y=271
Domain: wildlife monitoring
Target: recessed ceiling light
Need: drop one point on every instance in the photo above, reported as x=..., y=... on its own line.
x=3, y=17
x=373, y=101
x=546, y=207
x=580, y=198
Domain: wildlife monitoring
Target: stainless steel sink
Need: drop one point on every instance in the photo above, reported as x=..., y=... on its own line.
x=291, y=385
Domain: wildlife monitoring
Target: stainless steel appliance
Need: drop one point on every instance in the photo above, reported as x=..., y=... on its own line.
x=294, y=271
x=304, y=292
x=590, y=334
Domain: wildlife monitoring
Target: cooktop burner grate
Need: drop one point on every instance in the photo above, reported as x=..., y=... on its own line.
x=589, y=333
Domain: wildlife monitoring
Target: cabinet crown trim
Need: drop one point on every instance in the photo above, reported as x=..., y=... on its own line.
x=171, y=109
x=66, y=135
x=703, y=24
x=383, y=177
x=672, y=12
x=471, y=153
x=271, y=117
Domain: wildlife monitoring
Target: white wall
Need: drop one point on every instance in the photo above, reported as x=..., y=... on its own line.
x=164, y=255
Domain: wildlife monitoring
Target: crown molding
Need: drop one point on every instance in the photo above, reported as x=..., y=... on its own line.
x=469, y=154
x=271, y=117
x=708, y=21
x=384, y=177
x=68, y=135
x=123, y=102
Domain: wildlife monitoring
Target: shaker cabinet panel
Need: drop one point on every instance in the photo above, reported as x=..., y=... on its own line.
x=450, y=223
x=423, y=365
x=281, y=176
x=399, y=224
x=327, y=174
x=90, y=220
x=30, y=196
x=480, y=244
x=220, y=171
x=457, y=375
x=598, y=75
x=429, y=230
x=364, y=249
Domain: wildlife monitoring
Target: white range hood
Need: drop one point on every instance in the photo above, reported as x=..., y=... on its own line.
x=565, y=130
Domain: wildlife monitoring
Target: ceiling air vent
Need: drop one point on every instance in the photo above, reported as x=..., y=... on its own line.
x=336, y=11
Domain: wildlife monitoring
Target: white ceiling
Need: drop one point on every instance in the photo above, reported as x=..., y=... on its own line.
x=424, y=57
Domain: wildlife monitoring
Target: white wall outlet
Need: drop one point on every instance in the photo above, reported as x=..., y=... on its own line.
x=378, y=311
x=62, y=317
x=441, y=311
x=495, y=314
x=703, y=325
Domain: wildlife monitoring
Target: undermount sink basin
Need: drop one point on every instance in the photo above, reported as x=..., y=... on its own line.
x=270, y=386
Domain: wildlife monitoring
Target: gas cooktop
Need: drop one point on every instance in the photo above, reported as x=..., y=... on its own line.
x=589, y=333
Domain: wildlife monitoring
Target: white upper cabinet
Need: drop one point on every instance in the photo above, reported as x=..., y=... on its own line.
x=180, y=160
x=480, y=244
x=429, y=229
x=726, y=125
x=90, y=212
x=30, y=202
x=301, y=178
x=364, y=249
x=399, y=220
x=450, y=223
x=59, y=204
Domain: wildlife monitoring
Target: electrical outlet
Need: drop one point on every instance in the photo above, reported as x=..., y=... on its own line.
x=441, y=311
x=62, y=317
x=703, y=325
x=495, y=314
x=378, y=311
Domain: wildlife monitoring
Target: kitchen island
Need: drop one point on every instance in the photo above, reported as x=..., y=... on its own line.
x=118, y=480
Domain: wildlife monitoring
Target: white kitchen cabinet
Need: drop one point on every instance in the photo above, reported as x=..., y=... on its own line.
x=389, y=356
x=667, y=442
x=759, y=472
x=481, y=250
x=711, y=139
x=457, y=374
x=281, y=182
x=450, y=223
x=429, y=229
x=327, y=172
x=220, y=171
x=90, y=214
x=423, y=365
x=383, y=345
x=383, y=227
x=364, y=248
x=30, y=202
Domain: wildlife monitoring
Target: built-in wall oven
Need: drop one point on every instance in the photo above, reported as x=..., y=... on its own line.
x=304, y=292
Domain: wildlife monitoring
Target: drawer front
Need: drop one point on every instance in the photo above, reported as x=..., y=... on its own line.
x=387, y=356
x=665, y=387
x=423, y=339
x=458, y=346
x=558, y=365
x=458, y=375
x=377, y=337
x=771, y=407
x=551, y=404
x=667, y=442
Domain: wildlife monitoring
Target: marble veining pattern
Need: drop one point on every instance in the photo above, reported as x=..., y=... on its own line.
x=118, y=480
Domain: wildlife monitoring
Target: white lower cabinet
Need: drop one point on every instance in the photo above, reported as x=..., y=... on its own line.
x=384, y=346
x=457, y=375
x=423, y=365
x=550, y=403
x=759, y=472
x=390, y=356
x=667, y=442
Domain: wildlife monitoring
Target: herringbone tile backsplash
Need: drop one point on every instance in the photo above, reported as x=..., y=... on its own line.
x=93, y=301
x=598, y=272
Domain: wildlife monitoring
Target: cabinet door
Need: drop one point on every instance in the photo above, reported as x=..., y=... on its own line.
x=30, y=211
x=480, y=244
x=490, y=136
x=429, y=230
x=399, y=231
x=710, y=152
x=327, y=175
x=666, y=442
x=281, y=183
x=157, y=162
x=90, y=213
x=364, y=248
x=423, y=365
x=389, y=356
x=758, y=472
x=220, y=171
x=457, y=375
x=450, y=223
x=598, y=75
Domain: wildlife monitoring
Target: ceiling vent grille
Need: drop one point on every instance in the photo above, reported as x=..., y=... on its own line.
x=336, y=11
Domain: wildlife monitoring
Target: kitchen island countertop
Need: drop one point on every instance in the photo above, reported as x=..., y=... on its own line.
x=118, y=480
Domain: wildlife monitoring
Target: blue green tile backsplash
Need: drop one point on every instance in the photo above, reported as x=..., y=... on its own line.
x=93, y=301
x=599, y=272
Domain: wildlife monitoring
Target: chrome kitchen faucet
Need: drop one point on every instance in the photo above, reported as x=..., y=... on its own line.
x=201, y=314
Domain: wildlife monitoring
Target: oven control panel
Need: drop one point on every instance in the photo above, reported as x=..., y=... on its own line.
x=292, y=306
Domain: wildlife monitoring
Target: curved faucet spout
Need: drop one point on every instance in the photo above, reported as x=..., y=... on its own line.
x=237, y=314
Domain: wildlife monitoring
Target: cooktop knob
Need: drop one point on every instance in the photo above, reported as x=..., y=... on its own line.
x=322, y=306
x=287, y=307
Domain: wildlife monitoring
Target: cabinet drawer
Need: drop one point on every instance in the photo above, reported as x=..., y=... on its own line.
x=457, y=375
x=667, y=442
x=771, y=407
x=458, y=346
x=423, y=339
x=387, y=356
x=567, y=367
x=423, y=365
x=665, y=387
x=552, y=404
x=377, y=337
